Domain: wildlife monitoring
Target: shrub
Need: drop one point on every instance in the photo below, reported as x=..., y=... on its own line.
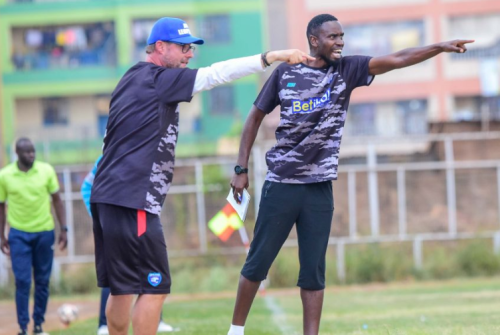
x=364, y=263
x=285, y=270
x=76, y=279
x=439, y=263
x=377, y=263
x=477, y=259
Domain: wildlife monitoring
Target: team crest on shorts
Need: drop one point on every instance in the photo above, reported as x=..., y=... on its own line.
x=154, y=278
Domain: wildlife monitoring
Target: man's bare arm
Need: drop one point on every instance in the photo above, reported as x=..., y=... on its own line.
x=4, y=242
x=412, y=56
x=61, y=217
x=250, y=130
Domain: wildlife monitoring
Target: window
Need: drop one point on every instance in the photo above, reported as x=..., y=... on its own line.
x=484, y=29
x=216, y=28
x=197, y=125
x=361, y=119
x=102, y=108
x=55, y=112
x=140, y=33
x=387, y=118
x=413, y=116
x=49, y=47
x=102, y=123
x=221, y=100
x=467, y=109
x=376, y=39
x=470, y=108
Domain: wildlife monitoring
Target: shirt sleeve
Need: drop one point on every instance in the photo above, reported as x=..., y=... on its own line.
x=52, y=182
x=174, y=85
x=3, y=190
x=356, y=71
x=268, y=97
x=224, y=72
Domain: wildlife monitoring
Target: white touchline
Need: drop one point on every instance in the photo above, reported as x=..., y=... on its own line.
x=279, y=316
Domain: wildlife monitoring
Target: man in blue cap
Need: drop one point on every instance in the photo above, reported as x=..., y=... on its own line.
x=102, y=328
x=137, y=167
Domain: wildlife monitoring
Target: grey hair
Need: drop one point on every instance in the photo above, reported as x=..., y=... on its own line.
x=150, y=48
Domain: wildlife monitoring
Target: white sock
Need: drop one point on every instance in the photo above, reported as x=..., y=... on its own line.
x=236, y=330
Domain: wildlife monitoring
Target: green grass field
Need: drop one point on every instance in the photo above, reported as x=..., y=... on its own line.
x=467, y=307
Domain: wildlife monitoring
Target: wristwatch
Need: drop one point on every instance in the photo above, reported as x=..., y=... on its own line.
x=240, y=169
x=64, y=228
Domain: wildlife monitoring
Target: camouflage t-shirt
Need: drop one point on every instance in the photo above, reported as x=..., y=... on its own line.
x=314, y=105
x=137, y=165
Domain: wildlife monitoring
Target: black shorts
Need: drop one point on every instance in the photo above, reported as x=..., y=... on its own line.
x=130, y=251
x=310, y=206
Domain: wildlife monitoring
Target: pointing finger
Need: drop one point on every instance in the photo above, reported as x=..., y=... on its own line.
x=308, y=57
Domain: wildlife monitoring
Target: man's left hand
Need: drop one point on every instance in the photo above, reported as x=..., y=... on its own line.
x=63, y=240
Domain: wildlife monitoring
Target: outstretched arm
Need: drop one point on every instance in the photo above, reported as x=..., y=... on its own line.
x=408, y=57
x=250, y=130
x=291, y=56
x=227, y=71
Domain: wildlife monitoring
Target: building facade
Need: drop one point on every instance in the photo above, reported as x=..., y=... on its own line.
x=60, y=61
x=447, y=88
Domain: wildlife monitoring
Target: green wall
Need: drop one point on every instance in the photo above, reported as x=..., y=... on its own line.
x=246, y=88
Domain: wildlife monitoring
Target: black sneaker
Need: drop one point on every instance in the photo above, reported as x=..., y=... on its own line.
x=22, y=332
x=39, y=331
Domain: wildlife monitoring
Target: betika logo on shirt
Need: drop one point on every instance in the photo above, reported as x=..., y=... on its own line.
x=308, y=106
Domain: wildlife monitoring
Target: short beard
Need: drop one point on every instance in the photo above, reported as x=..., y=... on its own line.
x=170, y=65
x=331, y=62
x=26, y=163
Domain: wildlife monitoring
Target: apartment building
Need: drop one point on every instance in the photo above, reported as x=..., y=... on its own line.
x=60, y=61
x=447, y=88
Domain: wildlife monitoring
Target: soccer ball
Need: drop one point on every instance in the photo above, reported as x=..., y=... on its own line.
x=67, y=313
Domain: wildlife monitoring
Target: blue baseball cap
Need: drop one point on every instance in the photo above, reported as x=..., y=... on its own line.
x=171, y=29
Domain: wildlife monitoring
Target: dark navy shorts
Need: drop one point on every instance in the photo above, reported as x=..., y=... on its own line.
x=310, y=207
x=130, y=251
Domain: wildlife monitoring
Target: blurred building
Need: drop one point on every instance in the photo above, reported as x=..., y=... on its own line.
x=450, y=88
x=60, y=61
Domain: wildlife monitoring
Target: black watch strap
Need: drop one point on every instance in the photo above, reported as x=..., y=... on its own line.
x=238, y=169
x=64, y=228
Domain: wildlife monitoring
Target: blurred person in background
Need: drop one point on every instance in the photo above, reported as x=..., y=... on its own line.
x=136, y=170
x=313, y=98
x=27, y=186
x=102, y=328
